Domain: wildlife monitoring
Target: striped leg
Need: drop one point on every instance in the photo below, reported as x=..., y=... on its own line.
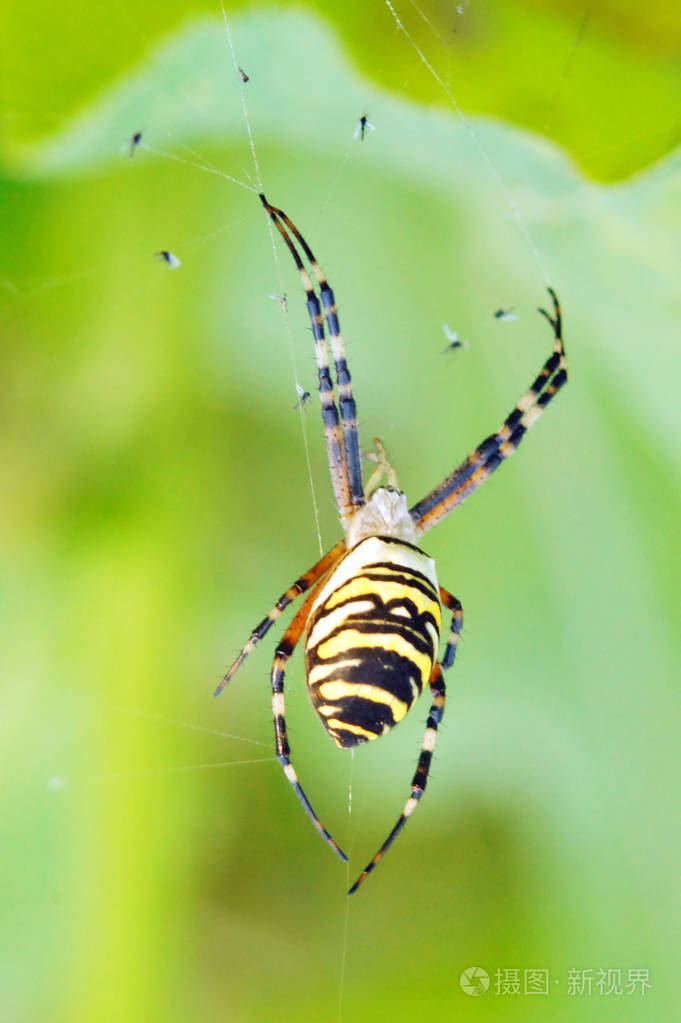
x=454, y=605
x=420, y=779
x=294, y=591
x=473, y=472
x=286, y=647
x=344, y=454
x=346, y=401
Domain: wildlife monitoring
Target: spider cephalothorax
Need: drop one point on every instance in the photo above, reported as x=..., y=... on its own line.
x=372, y=619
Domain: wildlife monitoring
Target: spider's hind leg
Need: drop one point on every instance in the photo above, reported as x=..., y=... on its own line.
x=437, y=688
x=284, y=650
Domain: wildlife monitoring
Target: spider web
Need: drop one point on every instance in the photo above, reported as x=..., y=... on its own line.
x=248, y=178
x=193, y=159
x=190, y=157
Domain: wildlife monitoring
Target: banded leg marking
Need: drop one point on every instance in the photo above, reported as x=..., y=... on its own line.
x=286, y=647
x=301, y=585
x=453, y=604
x=418, y=784
x=346, y=401
x=420, y=779
x=343, y=449
x=489, y=455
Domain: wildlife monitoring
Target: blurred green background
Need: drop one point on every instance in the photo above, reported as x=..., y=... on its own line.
x=157, y=500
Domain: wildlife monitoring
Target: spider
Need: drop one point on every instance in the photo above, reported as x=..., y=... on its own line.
x=373, y=614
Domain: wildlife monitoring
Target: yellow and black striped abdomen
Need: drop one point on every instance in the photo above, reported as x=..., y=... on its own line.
x=372, y=638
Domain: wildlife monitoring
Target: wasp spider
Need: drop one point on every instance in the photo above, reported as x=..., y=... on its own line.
x=372, y=617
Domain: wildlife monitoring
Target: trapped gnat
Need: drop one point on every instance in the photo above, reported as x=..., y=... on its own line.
x=506, y=314
x=281, y=299
x=363, y=125
x=168, y=258
x=372, y=618
x=303, y=397
x=453, y=339
x=132, y=143
x=242, y=74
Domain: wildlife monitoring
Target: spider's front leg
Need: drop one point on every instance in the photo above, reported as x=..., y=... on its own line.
x=495, y=449
x=340, y=429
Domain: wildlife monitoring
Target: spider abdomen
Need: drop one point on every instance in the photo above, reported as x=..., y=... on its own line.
x=372, y=638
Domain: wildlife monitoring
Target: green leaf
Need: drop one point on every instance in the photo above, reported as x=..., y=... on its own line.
x=600, y=79
x=157, y=500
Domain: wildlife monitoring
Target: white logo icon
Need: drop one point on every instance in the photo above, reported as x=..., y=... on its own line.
x=474, y=981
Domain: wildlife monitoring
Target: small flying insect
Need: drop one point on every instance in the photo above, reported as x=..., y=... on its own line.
x=363, y=125
x=168, y=258
x=453, y=338
x=130, y=145
x=244, y=77
x=506, y=314
x=281, y=299
x=303, y=397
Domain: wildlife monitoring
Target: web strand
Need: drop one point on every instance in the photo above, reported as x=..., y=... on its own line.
x=151, y=772
x=244, y=105
x=512, y=205
x=164, y=719
x=199, y=164
x=346, y=919
x=289, y=333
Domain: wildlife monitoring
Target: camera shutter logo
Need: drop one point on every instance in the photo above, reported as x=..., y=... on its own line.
x=474, y=981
